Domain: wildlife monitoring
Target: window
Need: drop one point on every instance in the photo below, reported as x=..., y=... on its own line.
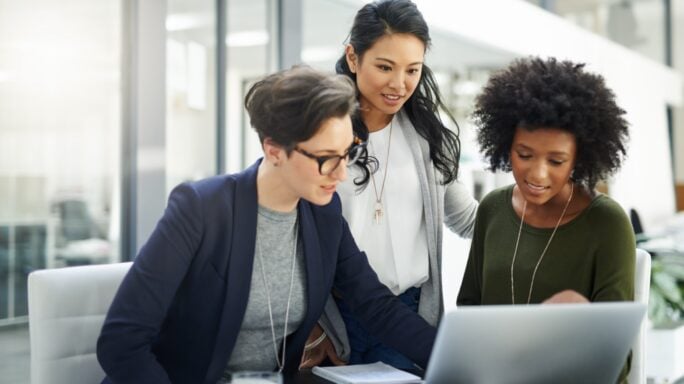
x=190, y=91
x=60, y=113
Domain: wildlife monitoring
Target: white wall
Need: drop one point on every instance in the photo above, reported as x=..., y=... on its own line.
x=643, y=87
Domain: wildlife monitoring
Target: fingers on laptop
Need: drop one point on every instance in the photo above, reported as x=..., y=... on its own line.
x=565, y=297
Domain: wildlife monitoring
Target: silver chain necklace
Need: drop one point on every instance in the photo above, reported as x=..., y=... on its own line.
x=517, y=242
x=378, y=211
x=281, y=364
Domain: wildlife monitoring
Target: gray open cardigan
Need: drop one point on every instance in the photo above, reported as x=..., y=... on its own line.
x=451, y=204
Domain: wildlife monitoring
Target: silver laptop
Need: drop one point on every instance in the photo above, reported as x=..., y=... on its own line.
x=561, y=343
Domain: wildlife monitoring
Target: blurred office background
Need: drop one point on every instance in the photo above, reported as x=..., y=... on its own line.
x=105, y=105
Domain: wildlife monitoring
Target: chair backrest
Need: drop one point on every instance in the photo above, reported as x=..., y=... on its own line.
x=642, y=286
x=67, y=307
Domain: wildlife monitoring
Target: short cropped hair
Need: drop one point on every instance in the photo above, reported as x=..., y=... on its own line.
x=535, y=93
x=289, y=106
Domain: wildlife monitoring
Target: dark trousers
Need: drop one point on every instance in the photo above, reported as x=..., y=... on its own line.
x=365, y=348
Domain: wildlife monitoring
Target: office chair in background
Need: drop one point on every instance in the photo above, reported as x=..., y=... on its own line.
x=642, y=287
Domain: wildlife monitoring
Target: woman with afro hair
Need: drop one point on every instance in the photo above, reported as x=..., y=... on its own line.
x=550, y=237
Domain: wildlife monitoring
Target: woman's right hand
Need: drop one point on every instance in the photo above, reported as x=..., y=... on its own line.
x=318, y=347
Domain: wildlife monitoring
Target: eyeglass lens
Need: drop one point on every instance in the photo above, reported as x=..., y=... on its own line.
x=332, y=163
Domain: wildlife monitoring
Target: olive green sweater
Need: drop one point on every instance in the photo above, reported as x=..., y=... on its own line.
x=594, y=254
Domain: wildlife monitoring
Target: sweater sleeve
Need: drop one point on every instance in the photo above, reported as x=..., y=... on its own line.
x=460, y=209
x=615, y=259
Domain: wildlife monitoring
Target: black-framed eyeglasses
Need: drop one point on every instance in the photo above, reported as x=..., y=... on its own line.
x=328, y=164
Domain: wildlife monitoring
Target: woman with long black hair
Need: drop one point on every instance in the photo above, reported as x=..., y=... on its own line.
x=397, y=212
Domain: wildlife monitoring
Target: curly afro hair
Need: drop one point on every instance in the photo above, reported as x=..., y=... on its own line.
x=537, y=93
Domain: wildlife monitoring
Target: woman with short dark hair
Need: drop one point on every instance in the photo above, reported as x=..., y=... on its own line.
x=238, y=269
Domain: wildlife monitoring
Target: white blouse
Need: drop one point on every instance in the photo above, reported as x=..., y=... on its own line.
x=396, y=246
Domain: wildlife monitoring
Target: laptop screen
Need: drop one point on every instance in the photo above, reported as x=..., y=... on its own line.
x=563, y=343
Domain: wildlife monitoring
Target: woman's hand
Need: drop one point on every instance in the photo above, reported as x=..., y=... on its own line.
x=566, y=296
x=317, y=348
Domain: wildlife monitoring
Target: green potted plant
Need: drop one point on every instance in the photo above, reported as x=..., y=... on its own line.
x=665, y=340
x=666, y=301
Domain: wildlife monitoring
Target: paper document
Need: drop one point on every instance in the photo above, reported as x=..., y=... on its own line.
x=366, y=374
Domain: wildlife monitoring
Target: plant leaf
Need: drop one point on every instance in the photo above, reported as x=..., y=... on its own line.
x=667, y=284
x=657, y=308
x=676, y=270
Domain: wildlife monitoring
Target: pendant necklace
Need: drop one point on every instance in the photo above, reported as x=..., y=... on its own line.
x=377, y=209
x=517, y=242
x=281, y=363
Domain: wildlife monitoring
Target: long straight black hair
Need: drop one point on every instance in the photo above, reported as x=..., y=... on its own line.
x=385, y=17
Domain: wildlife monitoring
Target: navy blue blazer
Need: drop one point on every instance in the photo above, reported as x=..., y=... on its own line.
x=178, y=311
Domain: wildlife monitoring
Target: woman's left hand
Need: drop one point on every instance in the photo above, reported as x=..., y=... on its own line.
x=566, y=296
x=318, y=347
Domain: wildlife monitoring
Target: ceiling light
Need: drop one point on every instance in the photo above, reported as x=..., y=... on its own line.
x=247, y=38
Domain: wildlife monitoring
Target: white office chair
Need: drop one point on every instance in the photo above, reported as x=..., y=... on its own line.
x=642, y=287
x=67, y=307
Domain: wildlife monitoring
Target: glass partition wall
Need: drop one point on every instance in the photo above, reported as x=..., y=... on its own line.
x=191, y=108
x=194, y=89
x=65, y=101
x=251, y=44
x=60, y=120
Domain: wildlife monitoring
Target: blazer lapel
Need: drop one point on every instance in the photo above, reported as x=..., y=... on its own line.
x=312, y=254
x=314, y=283
x=239, y=273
